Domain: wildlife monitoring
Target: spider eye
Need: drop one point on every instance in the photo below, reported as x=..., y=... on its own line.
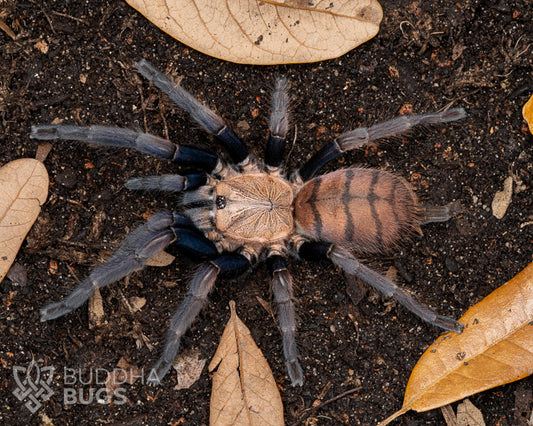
x=221, y=202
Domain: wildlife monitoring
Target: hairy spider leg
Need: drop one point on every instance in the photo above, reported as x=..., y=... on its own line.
x=279, y=124
x=282, y=289
x=363, y=135
x=351, y=266
x=170, y=183
x=211, y=122
x=199, y=288
x=132, y=255
x=126, y=138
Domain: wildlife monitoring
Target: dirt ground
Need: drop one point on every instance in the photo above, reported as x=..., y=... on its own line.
x=73, y=61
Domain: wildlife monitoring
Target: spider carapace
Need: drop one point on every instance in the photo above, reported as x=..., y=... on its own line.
x=234, y=213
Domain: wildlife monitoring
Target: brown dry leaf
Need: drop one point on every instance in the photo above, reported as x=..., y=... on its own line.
x=244, y=390
x=160, y=259
x=266, y=32
x=495, y=348
x=188, y=368
x=23, y=189
x=43, y=149
x=502, y=199
x=449, y=416
x=527, y=112
x=136, y=303
x=469, y=415
x=96, y=309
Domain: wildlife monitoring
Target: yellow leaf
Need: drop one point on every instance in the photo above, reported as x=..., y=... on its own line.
x=23, y=189
x=495, y=348
x=244, y=390
x=266, y=32
x=527, y=112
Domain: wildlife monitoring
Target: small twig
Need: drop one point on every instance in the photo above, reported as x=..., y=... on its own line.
x=307, y=411
x=83, y=21
x=71, y=269
x=49, y=20
x=6, y=29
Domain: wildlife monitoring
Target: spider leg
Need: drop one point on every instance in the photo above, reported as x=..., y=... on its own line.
x=206, y=118
x=171, y=183
x=279, y=123
x=126, y=138
x=284, y=298
x=199, y=288
x=351, y=266
x=132, y=255
x=362, y=136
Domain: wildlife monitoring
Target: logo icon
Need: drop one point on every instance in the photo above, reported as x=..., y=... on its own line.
x=33, y=385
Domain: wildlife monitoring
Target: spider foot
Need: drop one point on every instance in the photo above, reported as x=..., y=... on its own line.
x=448, y=324
x=54, y=310
x=74, y=300
x=158, y=371
x=295, y=373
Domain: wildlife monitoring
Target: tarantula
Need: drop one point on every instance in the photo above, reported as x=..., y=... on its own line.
x=235, y=213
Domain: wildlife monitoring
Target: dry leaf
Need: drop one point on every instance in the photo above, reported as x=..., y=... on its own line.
x=43, y=149
x=160, y=259
x=188, y=367
x=527, y=112
x=502, y=199
x=244, y=390
x=96, y=309
x=23, y=189
x=266, y=32
x=449, y=416
x=136, y=303
x=469, y=415
x=495, y=348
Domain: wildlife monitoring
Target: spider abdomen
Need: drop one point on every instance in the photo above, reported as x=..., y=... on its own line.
x=365, y=210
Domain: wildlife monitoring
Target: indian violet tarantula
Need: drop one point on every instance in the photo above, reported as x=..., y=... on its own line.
x=237, y=212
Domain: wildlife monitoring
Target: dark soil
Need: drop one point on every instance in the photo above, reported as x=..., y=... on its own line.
x=475, y=54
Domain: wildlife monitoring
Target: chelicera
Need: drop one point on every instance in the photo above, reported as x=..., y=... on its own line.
x=235, y=213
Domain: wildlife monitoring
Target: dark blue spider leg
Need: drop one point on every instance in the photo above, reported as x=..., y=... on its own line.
x=196, y=298
x=362, y=136
x=126, y=138
x=279, y=124
x=206, y=118
x=284, y=299
x=171, y=183
x=351, y=266
x=132, y=255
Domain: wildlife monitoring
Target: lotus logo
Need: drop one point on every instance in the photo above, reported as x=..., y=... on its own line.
x=33, y=385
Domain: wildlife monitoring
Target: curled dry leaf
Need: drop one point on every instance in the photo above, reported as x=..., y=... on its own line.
x=503, y=198
x=244, y=390
x=527, y=112
x=23, y=189
x=266, y=32
x=495, y=348
x=96, y=309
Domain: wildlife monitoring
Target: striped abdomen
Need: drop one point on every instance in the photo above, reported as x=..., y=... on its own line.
x=366, y=210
